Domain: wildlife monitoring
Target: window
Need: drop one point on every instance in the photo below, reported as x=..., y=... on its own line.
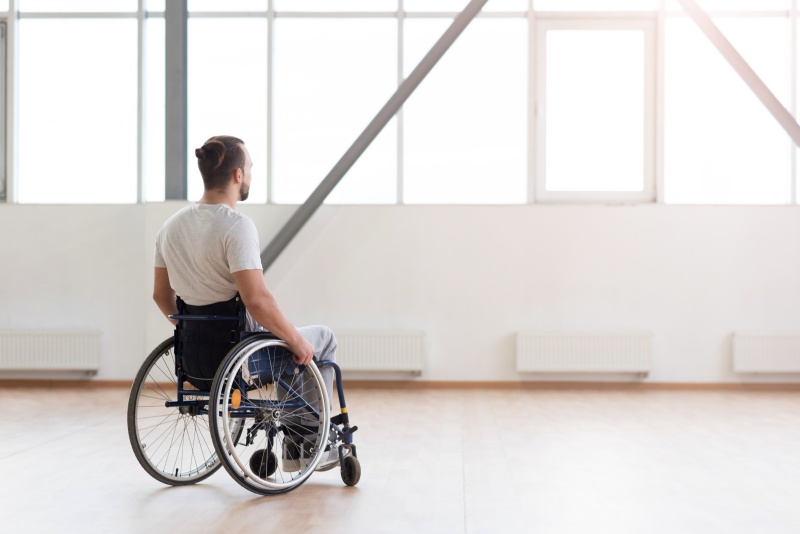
x=596, y=109
x=154, y=110
x=465, y=127
x=77, y=111
x=301, y=79
x=721, y=144
x=227, y=92
x=331, y=78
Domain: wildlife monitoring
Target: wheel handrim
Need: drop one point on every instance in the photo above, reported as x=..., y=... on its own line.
x=280, y=480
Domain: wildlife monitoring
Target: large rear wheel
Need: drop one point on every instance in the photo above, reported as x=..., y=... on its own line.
x=173, y=444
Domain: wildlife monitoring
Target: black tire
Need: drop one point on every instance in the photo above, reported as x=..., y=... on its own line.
x=173, y=447
x=351, y=470
x=264, y=463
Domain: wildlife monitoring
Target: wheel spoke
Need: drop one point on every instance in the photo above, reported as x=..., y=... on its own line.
x=168, y=441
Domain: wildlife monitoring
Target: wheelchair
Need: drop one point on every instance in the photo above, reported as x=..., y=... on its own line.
x=214, y=395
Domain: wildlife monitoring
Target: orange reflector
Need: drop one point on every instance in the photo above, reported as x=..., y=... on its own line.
x=236, y=399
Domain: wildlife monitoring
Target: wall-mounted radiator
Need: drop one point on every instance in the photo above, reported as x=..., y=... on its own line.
x=380, y=351
x=766, y=353
x=49, y=351
x=581, y=352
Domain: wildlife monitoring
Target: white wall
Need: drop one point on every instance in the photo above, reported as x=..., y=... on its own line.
x=469, y=276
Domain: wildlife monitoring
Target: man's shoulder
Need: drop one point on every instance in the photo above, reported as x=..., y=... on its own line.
x=241, y=223
x=175, y=218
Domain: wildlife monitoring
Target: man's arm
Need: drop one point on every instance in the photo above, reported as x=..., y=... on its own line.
x=264, y=309
x=163, y=294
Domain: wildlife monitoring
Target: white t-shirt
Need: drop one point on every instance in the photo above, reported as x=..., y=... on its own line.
x=201, y=245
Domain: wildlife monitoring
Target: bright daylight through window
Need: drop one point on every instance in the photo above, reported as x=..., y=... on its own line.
x=572, y=101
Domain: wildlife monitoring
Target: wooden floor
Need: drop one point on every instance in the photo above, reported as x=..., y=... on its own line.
x=435, y=460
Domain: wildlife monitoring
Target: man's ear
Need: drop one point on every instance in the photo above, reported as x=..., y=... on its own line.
x=238, y=176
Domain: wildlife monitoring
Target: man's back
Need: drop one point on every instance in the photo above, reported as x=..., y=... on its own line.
x=201, y=245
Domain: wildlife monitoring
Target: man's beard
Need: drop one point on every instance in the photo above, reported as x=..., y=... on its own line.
x=244, y=192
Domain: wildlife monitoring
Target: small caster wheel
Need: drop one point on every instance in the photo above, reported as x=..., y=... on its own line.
x=263, y=463
x=351, y=470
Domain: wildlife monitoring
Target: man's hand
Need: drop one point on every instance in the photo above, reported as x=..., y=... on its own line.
x=302, y=350
x=264, y=309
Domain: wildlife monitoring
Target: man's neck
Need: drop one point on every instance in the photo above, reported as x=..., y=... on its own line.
x=219, y=197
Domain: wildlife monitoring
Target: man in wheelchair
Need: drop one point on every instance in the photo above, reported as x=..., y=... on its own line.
x=207, y=257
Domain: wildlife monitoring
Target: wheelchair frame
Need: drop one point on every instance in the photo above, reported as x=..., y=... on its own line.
x=177, y=457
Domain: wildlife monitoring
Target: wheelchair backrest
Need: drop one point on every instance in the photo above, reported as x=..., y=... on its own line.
x=204, y=336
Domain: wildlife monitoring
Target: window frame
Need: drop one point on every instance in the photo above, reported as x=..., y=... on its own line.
x=3, y=109
x=647, y=24
x=537, y=19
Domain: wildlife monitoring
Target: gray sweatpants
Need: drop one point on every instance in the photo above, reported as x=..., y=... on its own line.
x=323, y=341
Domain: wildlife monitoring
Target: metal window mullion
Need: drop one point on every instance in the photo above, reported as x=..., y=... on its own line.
x=659, y=111
x=793, y=97
x=532, y=176
x=175, y=123
x=400, y=124
x=3, y=80
x=650, y=101
x=270, y=93
x=539, y=62
x=140, y=107
x=12, y=102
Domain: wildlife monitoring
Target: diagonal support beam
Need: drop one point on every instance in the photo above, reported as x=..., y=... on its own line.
x=770, y=101
x=307, y=209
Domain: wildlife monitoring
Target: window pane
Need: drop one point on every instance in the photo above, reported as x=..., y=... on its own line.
x=721, y=144
x=338, y=5
x=77, y=111
x=332, y=76
x=154, y=111
x=595, y=5
x=459, y=5
x=227, y=5
x=83, y=6
x=466, y=125
x=594, y=110
x=155, y=5
x=227, y=77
